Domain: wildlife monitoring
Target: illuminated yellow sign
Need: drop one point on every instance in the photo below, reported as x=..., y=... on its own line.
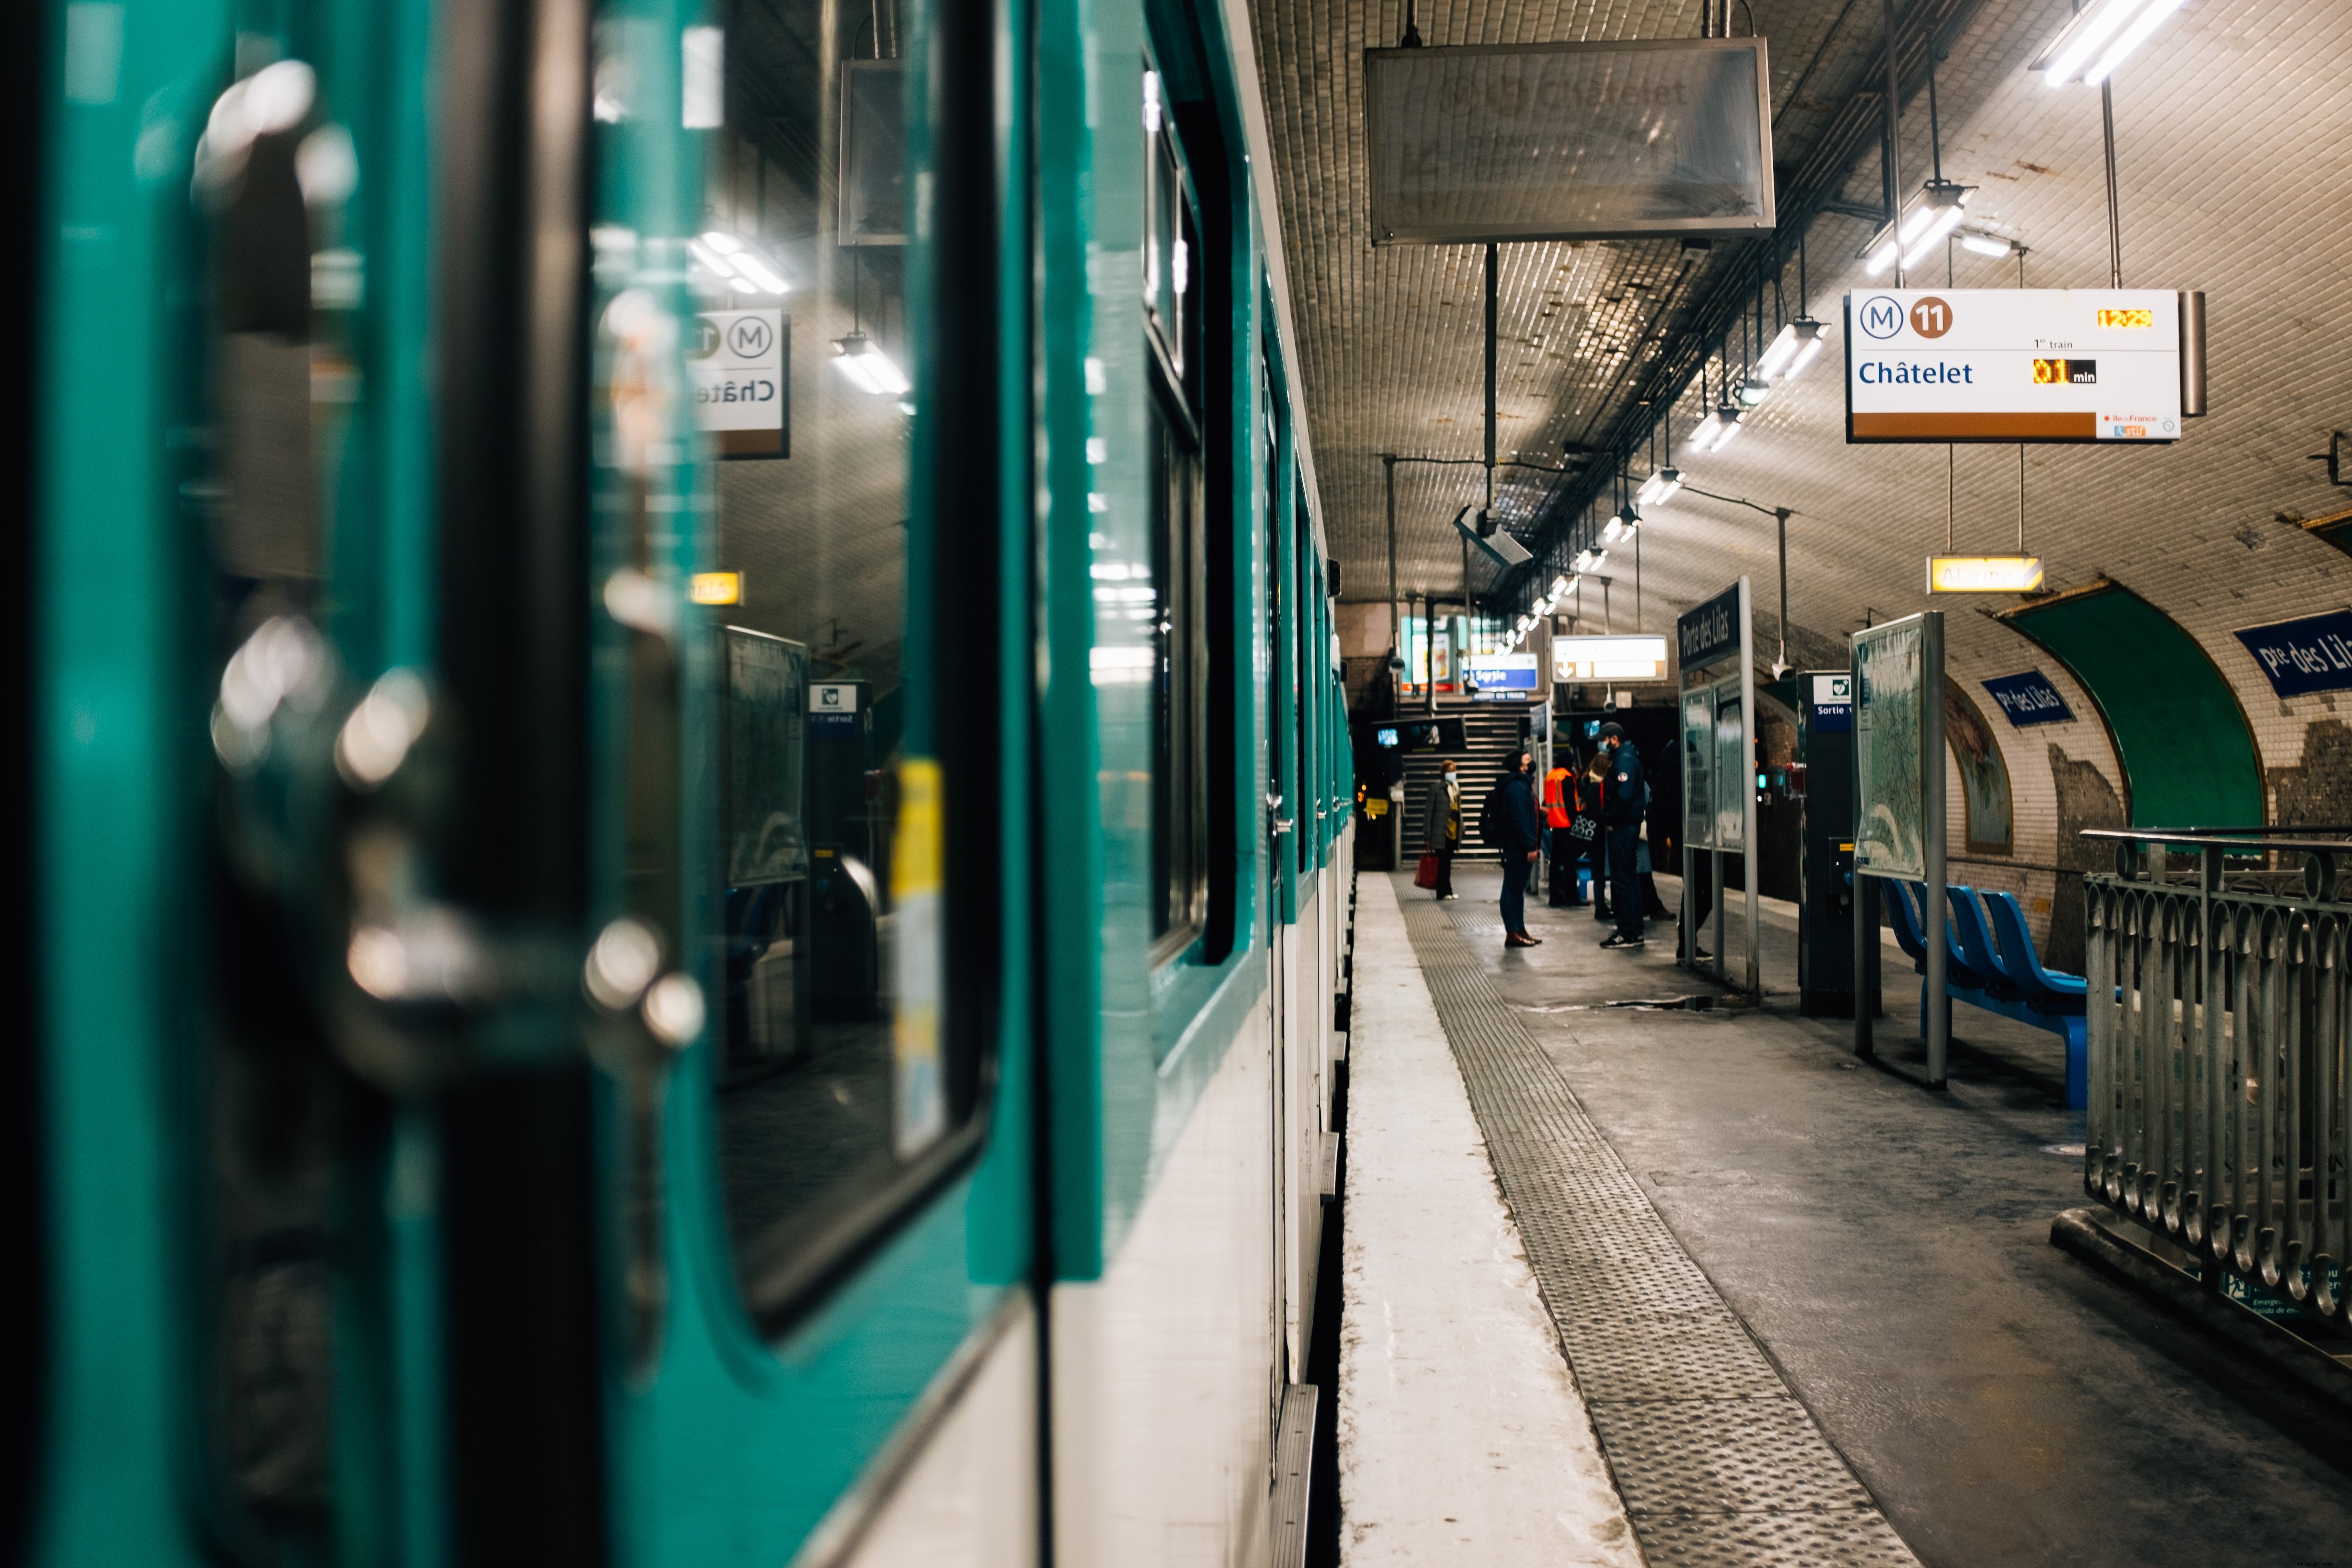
x=2127, y=318
x=1984, y=573
x=716, y=588
x=1577, y=659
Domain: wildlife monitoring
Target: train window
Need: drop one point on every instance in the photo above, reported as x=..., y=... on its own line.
x=840, y=1087
x=278, y=395
x=1171, y=288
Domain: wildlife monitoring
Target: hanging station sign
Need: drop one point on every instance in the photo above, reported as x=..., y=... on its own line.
x=1709, y=631
x=2022, y=364
x=1575, y=660
x=1494, y=143
x=736, y=361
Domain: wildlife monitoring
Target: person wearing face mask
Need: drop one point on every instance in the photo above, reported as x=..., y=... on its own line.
x=1624, y=793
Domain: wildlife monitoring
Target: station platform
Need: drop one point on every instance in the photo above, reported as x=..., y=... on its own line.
x=1803, y=1311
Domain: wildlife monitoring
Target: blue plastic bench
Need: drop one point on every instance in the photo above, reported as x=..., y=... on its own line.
x=1993, y=966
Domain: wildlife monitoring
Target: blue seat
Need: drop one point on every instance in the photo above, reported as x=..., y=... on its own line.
x=1904, y=918
x=2025, y=991
x=1976, y=945
x=2046, y=990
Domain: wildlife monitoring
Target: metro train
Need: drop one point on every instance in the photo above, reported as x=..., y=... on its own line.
x=678, y=832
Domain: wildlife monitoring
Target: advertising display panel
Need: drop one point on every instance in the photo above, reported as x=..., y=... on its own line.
x=1731, y=764
x=1698, y=769
x=1889, y=717
x=2015, y=365
x=1899, y=713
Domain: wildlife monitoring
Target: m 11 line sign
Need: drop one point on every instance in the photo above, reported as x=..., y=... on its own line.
x=2017, y=365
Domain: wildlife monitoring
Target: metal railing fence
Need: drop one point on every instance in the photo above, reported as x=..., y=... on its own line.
x=2218, y=1015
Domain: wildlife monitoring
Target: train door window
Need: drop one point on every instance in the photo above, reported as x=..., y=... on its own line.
x=276, y=395
x=1172, y=288
x=841, y=1086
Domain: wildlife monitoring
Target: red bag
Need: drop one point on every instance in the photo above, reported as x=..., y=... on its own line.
x=1426, y=877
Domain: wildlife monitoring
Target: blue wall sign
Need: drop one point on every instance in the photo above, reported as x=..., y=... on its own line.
x=1705, y=632
x=2310, y=655
x=2029, y=698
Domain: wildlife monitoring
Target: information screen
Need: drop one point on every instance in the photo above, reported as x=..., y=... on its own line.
x=2013, y=365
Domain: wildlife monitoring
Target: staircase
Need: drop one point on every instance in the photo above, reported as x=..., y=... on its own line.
x=1491, y=731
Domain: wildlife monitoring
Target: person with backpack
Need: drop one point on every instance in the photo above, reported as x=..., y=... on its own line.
x=1510, y=824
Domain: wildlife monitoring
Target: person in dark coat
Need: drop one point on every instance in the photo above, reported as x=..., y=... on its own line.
x=1625, y=792
x=1518, y=833
x=1441, y=830
x=1593, y=795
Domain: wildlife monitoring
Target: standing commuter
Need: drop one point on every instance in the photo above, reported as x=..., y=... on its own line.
x=1592, y=795
x=1442, y=830
x=1560, y=850
x=1621, y=821
x=1510, y=824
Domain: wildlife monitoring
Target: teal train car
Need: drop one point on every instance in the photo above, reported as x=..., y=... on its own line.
x=678, y=799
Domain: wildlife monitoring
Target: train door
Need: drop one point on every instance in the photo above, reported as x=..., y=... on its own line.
x=529, y=1088
x=1281, y=819
x=811, y=801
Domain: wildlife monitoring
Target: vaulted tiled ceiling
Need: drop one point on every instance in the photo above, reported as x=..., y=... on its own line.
x=2234, y=138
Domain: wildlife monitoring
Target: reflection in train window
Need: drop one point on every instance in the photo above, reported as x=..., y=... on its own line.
x=270, y=179
x=835, y=1091
x=1171, y=288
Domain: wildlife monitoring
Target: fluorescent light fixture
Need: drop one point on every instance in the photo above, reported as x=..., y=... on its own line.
x=702, y=53
x=757, y=273
x=1984, y=573
x=711, y=260
x=1622, y=525
x=737, y=262
x=1934, y=213
x=1660, y=488
x=867, y=367
x=1811, y=336
x=2097, y=40
x=1726, y=425
x=1985, y=244
x=1714, y=429
x=1559, y=585
x=2132, y=37
x=1782, y=348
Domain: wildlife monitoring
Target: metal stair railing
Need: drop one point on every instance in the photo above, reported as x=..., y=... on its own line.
x=2218, y=1016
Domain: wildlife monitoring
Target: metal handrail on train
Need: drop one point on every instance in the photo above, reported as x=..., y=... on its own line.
x=2220, y=1099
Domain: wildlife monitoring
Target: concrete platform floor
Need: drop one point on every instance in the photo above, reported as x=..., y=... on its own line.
x=1889, y=1247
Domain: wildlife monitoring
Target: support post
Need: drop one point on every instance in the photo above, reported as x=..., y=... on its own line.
x=2115, y=210
x=1938, y=915
x=1714, y=869
x=1755, y=978
x=1780, y=520
x=1483, y=517
x=1396, y=612
x=1894, y=141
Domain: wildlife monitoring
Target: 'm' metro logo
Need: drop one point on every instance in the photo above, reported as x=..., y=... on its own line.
x=1880, y=317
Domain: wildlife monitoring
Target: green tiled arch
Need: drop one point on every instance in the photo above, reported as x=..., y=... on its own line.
x=2188, y=756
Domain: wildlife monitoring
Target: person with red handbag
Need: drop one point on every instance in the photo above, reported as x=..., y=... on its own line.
x=1441, y=834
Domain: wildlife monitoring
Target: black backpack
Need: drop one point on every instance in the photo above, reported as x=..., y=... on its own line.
x=1490, y=819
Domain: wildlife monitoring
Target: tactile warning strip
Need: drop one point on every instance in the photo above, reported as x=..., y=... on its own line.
x=1719, y=1466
